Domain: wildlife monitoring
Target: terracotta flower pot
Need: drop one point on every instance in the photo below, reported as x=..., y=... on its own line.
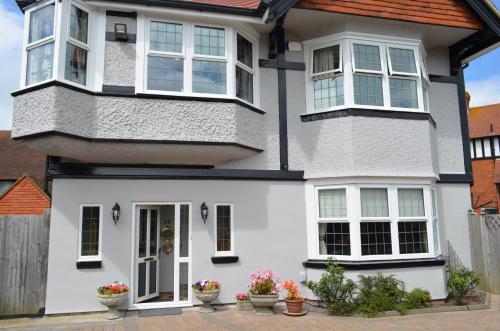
x=294, y=306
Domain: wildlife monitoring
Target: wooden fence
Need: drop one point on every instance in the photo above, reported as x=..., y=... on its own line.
x=485, y=249
x=24, y=243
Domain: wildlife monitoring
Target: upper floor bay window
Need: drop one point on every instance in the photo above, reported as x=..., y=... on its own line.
x=198, y=60
x=354, y=72
x=57, y=43
x=367, y=222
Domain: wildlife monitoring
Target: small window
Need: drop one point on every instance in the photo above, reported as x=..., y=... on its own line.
x=479, y=148
x=333, y=224
x=412, y=232
x=472, y=149
x=77, y=47
x=487, y=147
x=209, y=41
x=332, y=203
x=224, y=229
x=165, y=37
x=40, y=48
x=209, y=69
x=367, y=58
x=244, y=69
x=496, y=143
x=90, y=232
x=403, y=90
x=402, y=61
x=328, y=82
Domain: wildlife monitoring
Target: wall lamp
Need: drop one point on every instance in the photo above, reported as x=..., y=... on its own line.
x=121, y=32
x=204, y=212
x=115, y=212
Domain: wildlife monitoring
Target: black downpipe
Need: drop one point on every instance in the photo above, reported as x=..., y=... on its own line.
x=464, y=121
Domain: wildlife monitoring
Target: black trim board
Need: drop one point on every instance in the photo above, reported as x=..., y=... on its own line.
x=134, y=141
x=420, y=116
x=110, y=36
x=443, y=79
x=224, y=259
x=455, y=178
x=287, y=65
x=374, y=265
x=134, y=95
x=88, y=264
x=116, y=13
x=118, y=90
x=59, y=169
x=464, y=123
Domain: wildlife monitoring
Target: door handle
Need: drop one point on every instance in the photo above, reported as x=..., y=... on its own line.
x=146, y=259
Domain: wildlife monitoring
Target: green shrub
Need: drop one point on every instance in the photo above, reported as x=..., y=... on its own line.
x=380, y=293
x=418, y=298
x=461, y=281
x=335, y=290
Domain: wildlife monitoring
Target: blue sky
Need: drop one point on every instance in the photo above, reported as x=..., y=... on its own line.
x=482, y=77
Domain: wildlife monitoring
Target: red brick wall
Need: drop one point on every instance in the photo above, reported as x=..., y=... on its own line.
x=485, y=193
x=25, y=198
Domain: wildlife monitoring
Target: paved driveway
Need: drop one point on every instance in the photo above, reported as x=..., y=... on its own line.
x=231, y=319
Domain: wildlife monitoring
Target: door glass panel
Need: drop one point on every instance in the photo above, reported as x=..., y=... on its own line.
x=152, y=277
x=153, y=235
x=183, y=281
x=141, y=287
x=184, y=231
x=143, y=230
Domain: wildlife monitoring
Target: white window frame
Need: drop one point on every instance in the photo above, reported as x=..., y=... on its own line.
x=333, y=72
x=353, y=204
x=97, y=257
x=47, y=40
x=255, y=64
x=232, y=251
x=230, y=57
x=347, y=40
x=319, y=220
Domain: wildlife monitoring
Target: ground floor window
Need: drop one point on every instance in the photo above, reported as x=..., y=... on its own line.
x=90, y=232
x=375, y=221
x=224, y=229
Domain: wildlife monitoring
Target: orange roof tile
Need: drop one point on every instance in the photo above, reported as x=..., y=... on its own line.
x=484, y=121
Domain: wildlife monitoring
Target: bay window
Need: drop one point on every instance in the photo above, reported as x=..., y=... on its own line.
x=184, y=58
x=374, y=222
x=375, y=74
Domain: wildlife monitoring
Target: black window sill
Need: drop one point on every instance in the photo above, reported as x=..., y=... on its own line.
x=380, y=113
x=88, y=264
x=225, y=259
x=384, y=264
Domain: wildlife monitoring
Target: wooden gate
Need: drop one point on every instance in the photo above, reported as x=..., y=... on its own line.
x=24, y=244
x=485, y=250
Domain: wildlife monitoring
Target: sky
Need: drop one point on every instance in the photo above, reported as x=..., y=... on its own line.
x=482, y=77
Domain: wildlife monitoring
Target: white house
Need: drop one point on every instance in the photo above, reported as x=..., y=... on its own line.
x=308, y=129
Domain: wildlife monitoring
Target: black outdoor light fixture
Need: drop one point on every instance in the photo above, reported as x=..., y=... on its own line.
x=204, y=212
x=121, y=32
x=115, y=212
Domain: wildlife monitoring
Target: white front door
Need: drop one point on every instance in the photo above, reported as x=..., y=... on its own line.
x=147, y=269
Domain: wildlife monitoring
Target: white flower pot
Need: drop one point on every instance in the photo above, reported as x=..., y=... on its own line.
x=206, y=297
x=264, y=304
x=112, y=301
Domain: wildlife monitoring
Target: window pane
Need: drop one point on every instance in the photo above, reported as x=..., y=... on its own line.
x=436, y=238
x=184, y=231
x=497, y=146
x=76, y=64
x=183, y=281
x=245, y=51
x=40, y=61
x=402, y=60
x=41, y=23
x=328, y=92
x=487, y=147
x=367, y=57
x=209, y=41
x=368, y=90
x=143, y=231
x=78, y=27
x=472, y=149
x=326, y=59
x=374, y=202
x=165, y=74
x=403, y=93
x=153, y=234
x=90, y=231
x=141, y=291
x=165, y=37
x=244, y=84
x=209, y=77
x=334, y=239
x=479, y=148
x=152, y=276
x=332, y=203
x=413, y=237
x=223, y=228
x=411, y=202
x=376, y=238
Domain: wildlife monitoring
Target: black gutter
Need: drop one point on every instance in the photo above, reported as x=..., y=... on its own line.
x=486, y=13
x=470, y=46
x=279, y=8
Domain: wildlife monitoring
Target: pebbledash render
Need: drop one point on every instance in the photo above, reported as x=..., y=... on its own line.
x=237, y=136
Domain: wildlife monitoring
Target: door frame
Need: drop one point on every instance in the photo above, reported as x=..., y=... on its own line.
x=189, y=259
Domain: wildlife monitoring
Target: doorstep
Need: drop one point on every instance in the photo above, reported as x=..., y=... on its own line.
x=57, y=319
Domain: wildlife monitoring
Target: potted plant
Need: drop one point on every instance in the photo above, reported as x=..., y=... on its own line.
x=243, y=302
x=206, y=291
x=294, y=300
x=264, y=289
x=112, y=295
